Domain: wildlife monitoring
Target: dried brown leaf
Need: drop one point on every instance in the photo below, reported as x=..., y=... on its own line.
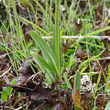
x=77, y=98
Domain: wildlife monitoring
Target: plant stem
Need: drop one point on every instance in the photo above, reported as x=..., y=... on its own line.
x=57, y=35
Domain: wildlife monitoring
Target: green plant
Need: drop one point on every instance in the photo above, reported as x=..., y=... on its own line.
x=49, y=62
x=7, y=91
x=108, y=79
x=77, y=85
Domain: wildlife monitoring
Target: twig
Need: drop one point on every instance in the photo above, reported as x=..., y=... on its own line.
x=20, y=107
x=41, y=106
x=106, y=58
x=3, y=74
x=77, y=37
x=20, y=99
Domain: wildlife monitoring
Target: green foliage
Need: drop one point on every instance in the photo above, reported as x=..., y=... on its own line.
x=57, y=36
x=98, y=80
x=26, y=3
x=95, y=108
x=7, y=91
x=77, y=81
x=49, y=63
x=67, y=81
x=4, y=95
x=108, y=79
x=77, y=84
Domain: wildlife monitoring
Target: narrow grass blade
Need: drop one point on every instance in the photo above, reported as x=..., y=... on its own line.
x=40, y=29
x=77, y=84
x=67, y=81
x=43, y=11
x=77, y=81
x=108, y=78
x=98, y=80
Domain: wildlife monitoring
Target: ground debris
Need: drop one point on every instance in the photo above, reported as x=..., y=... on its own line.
x=53, y=96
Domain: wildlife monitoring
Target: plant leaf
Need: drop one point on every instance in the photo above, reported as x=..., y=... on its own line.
x=43, y=65
x=10, y=89
x=77, y=87
x=77, y=81
x=4, y=96
x=77, y=98
x=67, y=81
x=108, y=78
x=47, y=52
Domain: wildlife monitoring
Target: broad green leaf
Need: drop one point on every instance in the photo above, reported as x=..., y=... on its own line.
x=47, y=52
x=48, y=77
x=4, y=96
x=13, y=82
x=44, y=47
x=7, y=91
x=45, y=67
x=4, y=89
x=10, y=89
